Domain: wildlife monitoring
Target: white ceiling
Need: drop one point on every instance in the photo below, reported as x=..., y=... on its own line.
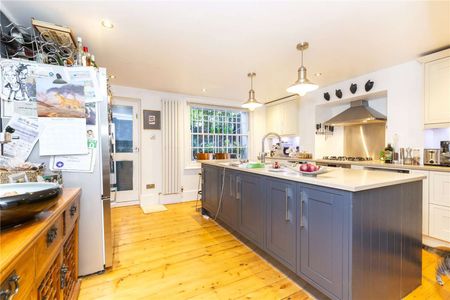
x=186, y=46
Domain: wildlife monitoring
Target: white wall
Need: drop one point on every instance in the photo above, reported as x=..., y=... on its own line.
x=151, y=141
x=404, y=108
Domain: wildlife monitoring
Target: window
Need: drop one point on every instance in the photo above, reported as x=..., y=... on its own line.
x=216, y=130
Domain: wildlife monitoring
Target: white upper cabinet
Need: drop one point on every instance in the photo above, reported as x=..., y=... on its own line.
x=283, y=118
x=437, y=93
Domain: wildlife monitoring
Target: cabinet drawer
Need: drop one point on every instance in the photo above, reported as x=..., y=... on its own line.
x=49, y=243
x=440, y=222
x=24, y=268
x=440, y=188
x=71, y=214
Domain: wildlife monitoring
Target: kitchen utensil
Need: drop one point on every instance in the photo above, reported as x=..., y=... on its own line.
x=369, y=85
x=431, y=156
x=20, y=202
x=408, y=160
x=445, y=153
x=416, y=156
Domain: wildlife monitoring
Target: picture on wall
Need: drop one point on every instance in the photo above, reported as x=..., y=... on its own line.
x=152, y=119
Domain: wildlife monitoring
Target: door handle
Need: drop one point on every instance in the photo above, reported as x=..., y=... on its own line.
x=302, y=201
x=231, y=186
x=286, y=199
x=136, y=149
x=238, y=192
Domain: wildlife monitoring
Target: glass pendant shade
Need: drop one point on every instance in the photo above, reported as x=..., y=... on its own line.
x=302, y=85
x=251, y=103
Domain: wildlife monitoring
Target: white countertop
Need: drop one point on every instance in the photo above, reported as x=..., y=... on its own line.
x=370, y=164
x=337, y=178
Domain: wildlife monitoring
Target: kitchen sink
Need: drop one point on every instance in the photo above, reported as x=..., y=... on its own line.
x=20, y=202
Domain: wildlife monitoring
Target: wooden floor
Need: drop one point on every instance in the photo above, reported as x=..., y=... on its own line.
x=179, y=255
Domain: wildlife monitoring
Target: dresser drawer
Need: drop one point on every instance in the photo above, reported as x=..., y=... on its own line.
x=20, y=276
x=440, y=188
x=49, y=243
x=440, y=222
x=71, y=214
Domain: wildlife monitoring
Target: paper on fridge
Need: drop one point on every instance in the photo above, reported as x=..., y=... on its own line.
x=86, y=77
x=74, y=163
x=62, y=136
x=25, y=136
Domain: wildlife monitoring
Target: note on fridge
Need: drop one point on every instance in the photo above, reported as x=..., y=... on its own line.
x=25, y=137
x=74, y=163
x=62, y=136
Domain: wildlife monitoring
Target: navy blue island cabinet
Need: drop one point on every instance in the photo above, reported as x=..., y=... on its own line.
x=348, y=245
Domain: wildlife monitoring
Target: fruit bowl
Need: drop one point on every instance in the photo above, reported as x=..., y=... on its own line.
x=321, y=170
x=20, y=202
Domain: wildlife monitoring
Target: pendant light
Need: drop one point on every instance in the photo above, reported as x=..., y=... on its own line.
x=302, y=85
x=251, y=103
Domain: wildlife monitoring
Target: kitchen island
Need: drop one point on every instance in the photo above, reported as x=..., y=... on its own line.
x=352, y=234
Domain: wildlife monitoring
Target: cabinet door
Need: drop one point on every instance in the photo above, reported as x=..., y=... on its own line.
x=281, y=238
x=425, y=201
x=251, y=208
x=228, y=211
x=437, y=91
x=289, y=118
x=273, y=116
x=440, y=188
x=440, y=222
x=321, y=238
x=210, y=188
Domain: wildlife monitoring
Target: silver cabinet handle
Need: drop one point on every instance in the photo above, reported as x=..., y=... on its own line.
x=238, y=192
x=231, y=186
x=302, y=201
x=286, y=199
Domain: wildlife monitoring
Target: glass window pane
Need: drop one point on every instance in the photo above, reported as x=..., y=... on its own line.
x=124, y=173
x=123, y=123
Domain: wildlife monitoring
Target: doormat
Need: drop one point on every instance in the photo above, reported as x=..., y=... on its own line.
x=151, y=208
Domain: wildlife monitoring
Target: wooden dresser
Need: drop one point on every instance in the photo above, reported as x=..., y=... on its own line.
x=39, y=259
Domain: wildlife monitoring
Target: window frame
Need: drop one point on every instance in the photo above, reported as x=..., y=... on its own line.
x=218, y=140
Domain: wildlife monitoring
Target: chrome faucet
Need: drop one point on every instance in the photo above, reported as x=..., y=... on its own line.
x=262, y=155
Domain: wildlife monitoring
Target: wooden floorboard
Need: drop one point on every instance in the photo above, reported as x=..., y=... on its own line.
x=177, y=254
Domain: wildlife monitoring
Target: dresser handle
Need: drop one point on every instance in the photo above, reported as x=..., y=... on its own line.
x=13, y=287
x=51, y=235
x=64, y=270
x=73, y=210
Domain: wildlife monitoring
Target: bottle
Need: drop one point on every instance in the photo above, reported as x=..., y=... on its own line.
x=84, y=57
x=79, y=61
x=93, y=61
x=388, y=154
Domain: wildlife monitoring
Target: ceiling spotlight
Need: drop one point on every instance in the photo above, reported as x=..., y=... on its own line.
x=204, y=90
x=112, y=76
x=107, y=24
x=318, y=74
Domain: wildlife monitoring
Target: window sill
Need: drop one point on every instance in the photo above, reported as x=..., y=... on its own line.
x=193, y=166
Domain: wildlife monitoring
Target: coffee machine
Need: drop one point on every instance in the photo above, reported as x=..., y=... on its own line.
x=445, y=153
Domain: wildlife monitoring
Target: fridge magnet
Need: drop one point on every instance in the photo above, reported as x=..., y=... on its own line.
x=152, y=119
x=91, y=113
x=55, y=100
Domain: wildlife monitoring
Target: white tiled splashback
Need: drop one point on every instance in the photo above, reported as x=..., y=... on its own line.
x=434, y=136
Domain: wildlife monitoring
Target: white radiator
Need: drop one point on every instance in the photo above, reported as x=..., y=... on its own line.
x=172, y=121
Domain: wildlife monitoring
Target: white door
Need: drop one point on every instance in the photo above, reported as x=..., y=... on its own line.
x=125, y=112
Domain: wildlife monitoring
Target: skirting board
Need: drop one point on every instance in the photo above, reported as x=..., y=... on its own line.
x=432, y=242
x=148, y=199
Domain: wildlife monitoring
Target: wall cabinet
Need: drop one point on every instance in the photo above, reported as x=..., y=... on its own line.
x=437, y=93
x=283, y=118
x=321, y=238
x=281, y=221
x=251, y=206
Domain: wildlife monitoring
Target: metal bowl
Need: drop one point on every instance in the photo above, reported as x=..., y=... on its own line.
x=20, y=202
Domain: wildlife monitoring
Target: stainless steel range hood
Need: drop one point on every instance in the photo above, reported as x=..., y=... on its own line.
x=359, y=113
